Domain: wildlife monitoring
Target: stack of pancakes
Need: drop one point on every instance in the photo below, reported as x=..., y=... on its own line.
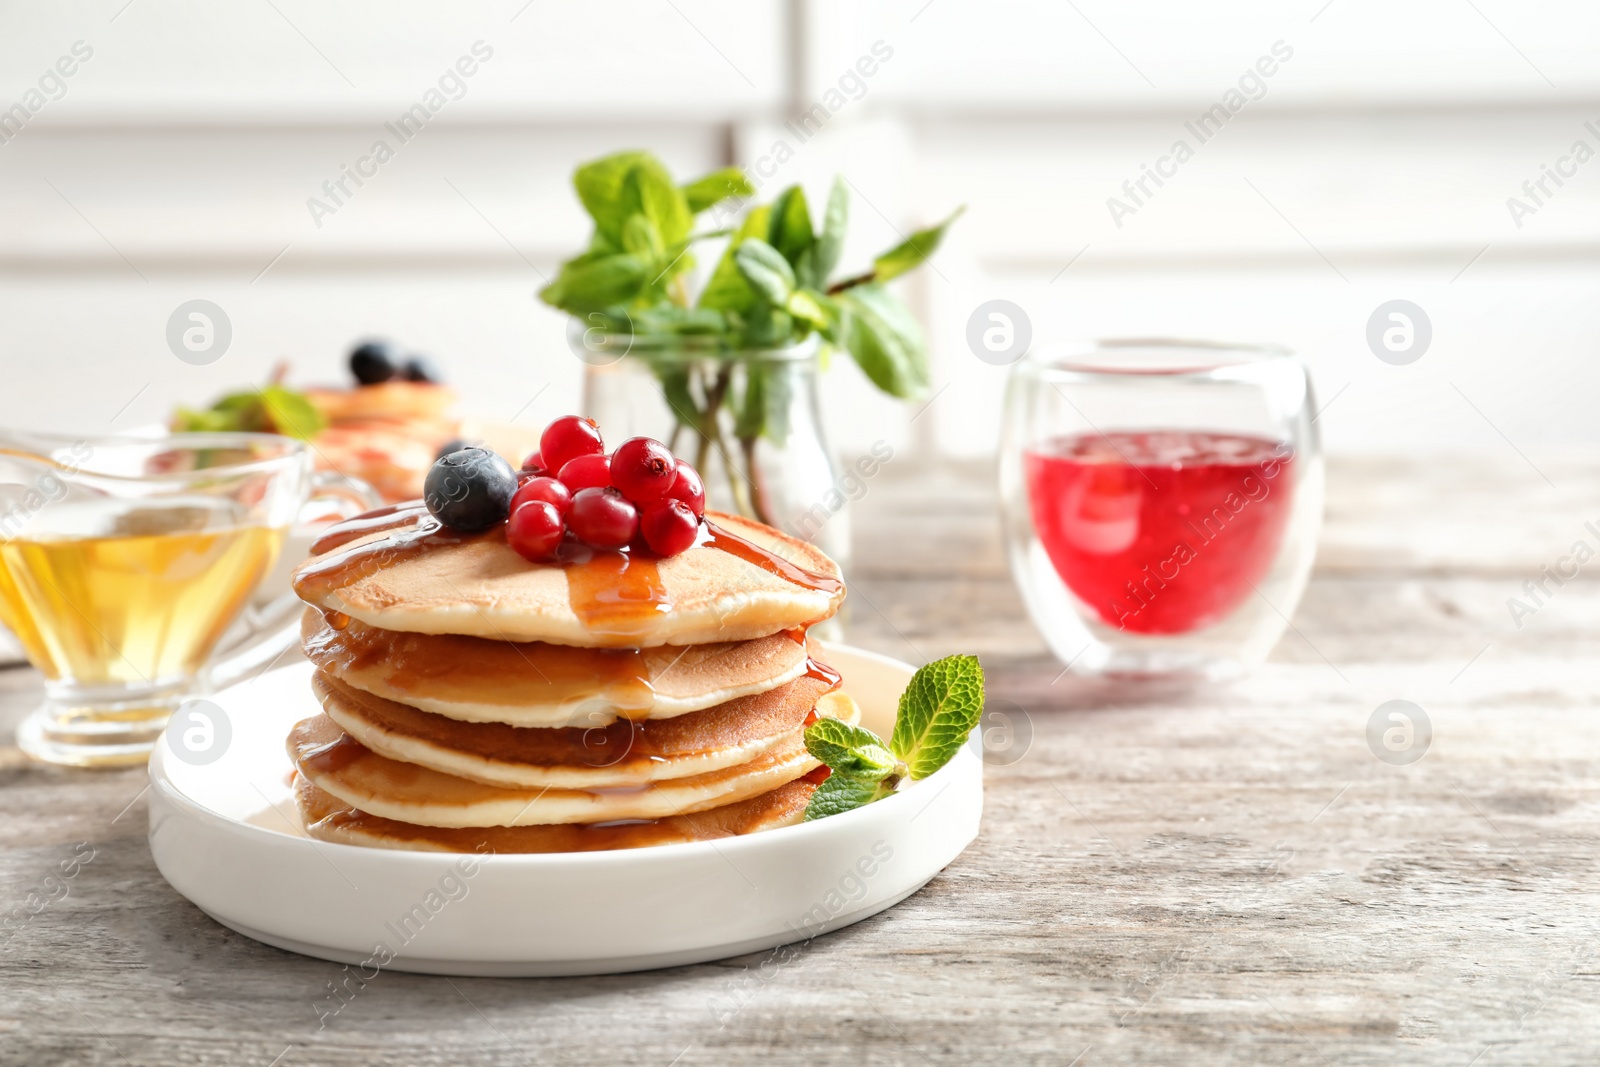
x=474, y=701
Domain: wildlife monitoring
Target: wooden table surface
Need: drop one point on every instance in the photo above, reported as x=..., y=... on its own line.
x=1216, y=875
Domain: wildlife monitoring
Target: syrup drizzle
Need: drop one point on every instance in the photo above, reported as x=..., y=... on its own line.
x=332, y=757
x=384, y=518
x=619, y=594
x=714, y=536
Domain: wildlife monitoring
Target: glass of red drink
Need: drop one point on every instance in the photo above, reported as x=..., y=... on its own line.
x=1161, y=501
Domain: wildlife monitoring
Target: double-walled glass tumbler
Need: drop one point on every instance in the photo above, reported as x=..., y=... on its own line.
x=1162, y=500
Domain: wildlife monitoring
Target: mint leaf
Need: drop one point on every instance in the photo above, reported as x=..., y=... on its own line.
x=850, y=750
x=596, y=283
x=790, y=229
x=830, y=242
x=649, y=190
x=767, y=327
x=764, y=267
x=884, y=339
x=813, y=308
x=715, y=187
x=913, y=251
x=937, y=712
x=599, y=184
x=841, y=792
x=269, y=409
x=727, y=290
x=290, y=413
x=641, y=237
x=677, y=320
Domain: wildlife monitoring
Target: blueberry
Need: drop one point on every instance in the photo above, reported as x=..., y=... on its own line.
x=420, y=369
x=470, y=489
x=373, y=362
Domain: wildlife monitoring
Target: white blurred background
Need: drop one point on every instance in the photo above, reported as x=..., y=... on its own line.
x=177, y=160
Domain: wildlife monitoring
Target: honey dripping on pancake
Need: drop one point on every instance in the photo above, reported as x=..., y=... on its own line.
x=614, y=593
x=714, y=536
x=333, y=757
x=824, y=673
x=405, y=529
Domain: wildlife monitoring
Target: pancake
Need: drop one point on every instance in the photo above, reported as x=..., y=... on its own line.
x=338, y=764
x=398, y=569
x=622, y=754
x=538, y=684
x=328, y=819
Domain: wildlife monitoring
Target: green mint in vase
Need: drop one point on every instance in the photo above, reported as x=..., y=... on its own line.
x=726, y=371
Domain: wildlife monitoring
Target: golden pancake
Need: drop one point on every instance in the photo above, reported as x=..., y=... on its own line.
x=396, y=400
x=538, y=684
x=624, y=753
x=328, y=819
x=398, y=569
x=339, y=764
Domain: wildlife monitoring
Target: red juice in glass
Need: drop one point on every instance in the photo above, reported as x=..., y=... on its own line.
x=1160, y=532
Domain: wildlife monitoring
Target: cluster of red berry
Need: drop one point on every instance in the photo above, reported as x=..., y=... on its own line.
x=641, y=493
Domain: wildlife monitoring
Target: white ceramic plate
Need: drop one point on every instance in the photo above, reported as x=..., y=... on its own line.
x=227, y=836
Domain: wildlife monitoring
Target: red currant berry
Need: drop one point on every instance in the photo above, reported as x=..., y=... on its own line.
x=669, y=527
x=687, y=487
x=534, y=462
x=642, y=469
x=602, y=518
x=566, y=439
x=545, y=488
x=534, y=531
x=587, y=472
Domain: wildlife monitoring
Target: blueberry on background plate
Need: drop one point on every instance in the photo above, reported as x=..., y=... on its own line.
x=374, y=361
x=421, y=369
x=470, y=489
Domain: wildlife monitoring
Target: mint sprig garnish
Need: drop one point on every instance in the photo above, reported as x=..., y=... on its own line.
x=852, y=750
x=841, y=792
x=938, y=709
x=937, y=712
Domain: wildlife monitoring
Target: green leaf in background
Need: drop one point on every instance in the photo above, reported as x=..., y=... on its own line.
x=938, y=710
x=649, y=190
x=594, y=284
x=913, y=251
x=763, y=408
x=830, y=242
x=767, y=327
x=187, y=420
x=680, y=321
x=750, y=414
x=674, y=378
x=270, y=409
x=716, y=187
x=727, y=290
x=290, y=413
x=852, y=750
x=790, y=229
x=599, y=184
x=813, y=308
x=765, y=268
x=884, y=340
x=641, y=238
x=841, y=793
